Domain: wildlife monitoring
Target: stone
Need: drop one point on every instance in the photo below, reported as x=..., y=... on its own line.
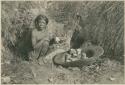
x=112, y=78
x=6, y=79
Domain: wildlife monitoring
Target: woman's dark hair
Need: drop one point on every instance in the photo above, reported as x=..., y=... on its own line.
x=39, y=17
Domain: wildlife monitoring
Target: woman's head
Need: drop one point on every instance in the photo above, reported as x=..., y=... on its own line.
x=41, y=22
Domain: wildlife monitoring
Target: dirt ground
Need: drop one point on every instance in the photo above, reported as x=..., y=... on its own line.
x=107, y=72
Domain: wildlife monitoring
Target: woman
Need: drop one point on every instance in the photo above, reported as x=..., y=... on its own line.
x=40, y=38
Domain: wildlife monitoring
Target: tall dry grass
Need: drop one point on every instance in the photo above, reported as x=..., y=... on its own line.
x=102, y=23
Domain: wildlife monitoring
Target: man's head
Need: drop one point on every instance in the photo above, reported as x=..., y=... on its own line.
x=41, y=22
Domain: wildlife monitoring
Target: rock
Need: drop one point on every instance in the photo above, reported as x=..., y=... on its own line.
x=51, y=79
x=74, y=68
x=7, y=62
x=73, y=51
x=28, y=76
x=41, y=61
x=5, y=79
x=84, y=56
x=79, y=51
x=97, y=68
x=57, y=39
x=60, y=68
x=112, y=78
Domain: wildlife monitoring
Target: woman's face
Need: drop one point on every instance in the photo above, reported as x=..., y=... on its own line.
x=42, y=24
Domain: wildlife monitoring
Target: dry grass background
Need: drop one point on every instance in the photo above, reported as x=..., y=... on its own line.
x=102, y=23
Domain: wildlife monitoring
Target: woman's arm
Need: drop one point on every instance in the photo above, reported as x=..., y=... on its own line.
x=35, y=44
x=33, y=39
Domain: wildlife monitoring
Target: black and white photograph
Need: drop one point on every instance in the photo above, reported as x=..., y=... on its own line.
x=62, y=42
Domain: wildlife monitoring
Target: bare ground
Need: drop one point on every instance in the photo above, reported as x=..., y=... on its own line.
x=107, y=72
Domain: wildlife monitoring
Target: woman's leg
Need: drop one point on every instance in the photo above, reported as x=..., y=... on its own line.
x=43, y=51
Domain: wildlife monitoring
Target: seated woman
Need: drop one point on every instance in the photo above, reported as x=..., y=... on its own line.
x=40, y=38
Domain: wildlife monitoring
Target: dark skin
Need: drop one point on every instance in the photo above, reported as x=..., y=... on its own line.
x=41, y=38
x=37, y=34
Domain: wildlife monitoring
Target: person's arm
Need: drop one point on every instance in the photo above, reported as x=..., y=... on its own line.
x=35, y=44
x=33, y=39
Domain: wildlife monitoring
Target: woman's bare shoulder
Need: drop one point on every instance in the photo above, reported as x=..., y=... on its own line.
x=34, y=32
